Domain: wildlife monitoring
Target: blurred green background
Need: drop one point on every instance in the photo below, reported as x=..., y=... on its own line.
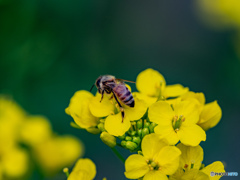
x=49, y=49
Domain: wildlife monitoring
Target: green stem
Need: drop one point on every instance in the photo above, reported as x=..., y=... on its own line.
x=118, y=155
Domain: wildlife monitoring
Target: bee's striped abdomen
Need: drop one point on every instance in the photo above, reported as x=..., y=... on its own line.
x=124, y=95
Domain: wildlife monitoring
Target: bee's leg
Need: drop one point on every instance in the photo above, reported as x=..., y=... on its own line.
x=102, y=95
x=122, y=112
x=120, y=106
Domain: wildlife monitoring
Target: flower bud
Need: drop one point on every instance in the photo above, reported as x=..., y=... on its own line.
x=128, y=138
x=139, y=132
x=152, y=126
x=122, y=137
x=101, y=127
x=136, y=139
x=145, y=131
x=93, y=130
x=139, y=124
x=133, y=133
x=146, y=124
x=123, y=143
x=131, y=145
x=108, y=139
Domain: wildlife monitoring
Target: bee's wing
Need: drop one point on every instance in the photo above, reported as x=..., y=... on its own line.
x=123, y=80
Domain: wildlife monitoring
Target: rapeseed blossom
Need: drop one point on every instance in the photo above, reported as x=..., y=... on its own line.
x=83, y=169
x=158, y=159
x=191, y=165
x=163, y=115
x=79, y=109
x=177, y=123
x=108, y=108
x=152, y=87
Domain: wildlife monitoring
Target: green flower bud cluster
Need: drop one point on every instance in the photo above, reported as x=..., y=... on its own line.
x=133, y=138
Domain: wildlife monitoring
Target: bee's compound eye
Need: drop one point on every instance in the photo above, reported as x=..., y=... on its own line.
x=98, y=82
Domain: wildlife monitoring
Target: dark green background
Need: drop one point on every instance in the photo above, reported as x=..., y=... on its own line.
x=51, y=48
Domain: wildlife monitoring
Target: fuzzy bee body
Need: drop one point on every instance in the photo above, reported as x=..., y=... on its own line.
x=109, y=84
x=124, y=95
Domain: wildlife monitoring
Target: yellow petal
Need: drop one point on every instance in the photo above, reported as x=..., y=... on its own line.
x=192, y=95
x=137, y=111
x=103, y=108
x=86, y=166
x=189, y=110
x=191, y=134
x=190, y=155
x=150, y=82
x=151, y=145
x=149, y=100
x=174, y=101
x=77, y=175
x=79, y=109
x=174, y=90
x=161, y=113
x=194, y=174
x=210, y=116
x=168, y=133
x=136, y=166
x=168, y=159
x=177, y=175
x=155, y=175
x=216, y=167
x=115, y=126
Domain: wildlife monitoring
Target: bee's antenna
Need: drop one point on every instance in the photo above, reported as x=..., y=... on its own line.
x=92, y=87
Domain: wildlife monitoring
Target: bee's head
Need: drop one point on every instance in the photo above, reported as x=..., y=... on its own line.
x=97, y=83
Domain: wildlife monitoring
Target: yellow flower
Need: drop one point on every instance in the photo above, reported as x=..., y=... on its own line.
x=200, y=97
x=178, y=124
x=84, y=169
x=158, y=160
x=210, y=115
x=79, y=109
x=152, y=87
x=58, y=152
x=174, y=90
x=150, y=82
x=114, y=124
x=190, y=165
x=35, y=129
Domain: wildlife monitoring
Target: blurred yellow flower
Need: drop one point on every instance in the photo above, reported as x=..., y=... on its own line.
x=178, y=123
x=220, y=13
x=15, y=162
x=79, y=109
x=158, y=160
x=191, y=162
x=84, y=169
x=11, y=118
x=34, y=130
x=57, y=152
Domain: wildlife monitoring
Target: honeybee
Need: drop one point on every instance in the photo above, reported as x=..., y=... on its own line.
x=109, y=84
